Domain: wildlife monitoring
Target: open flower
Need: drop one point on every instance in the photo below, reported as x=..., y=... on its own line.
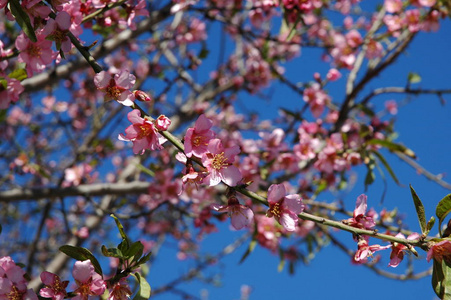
x=54, y=287
x=365, y=250
x=397, y=252
x=284, y=208
x=219, y=163
x=240, y=215
x=57, y=29
x=142, y=133
x=89, y=282
x=197, y=138
x=13, y=284
x=359, y=219
x=116, y=87
x=440, y=251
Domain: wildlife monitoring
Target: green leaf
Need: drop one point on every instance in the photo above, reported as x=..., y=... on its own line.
x=112, y=252
x=387, y=166
x=144, y=288
x=122, y=232
x=441, y=279
x=430, y=224
x=249, y=250
x=22, y=19
x=19, y=74
x=136, y=250
x=3, y=84
x=82, y=254
x=393, y=147
x=144, y=259
x=413, y=77
x=442, y=210
x=420, y=210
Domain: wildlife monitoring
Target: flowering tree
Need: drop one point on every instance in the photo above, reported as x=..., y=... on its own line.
x=132, y=109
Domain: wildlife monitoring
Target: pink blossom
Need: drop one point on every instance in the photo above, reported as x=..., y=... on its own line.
x=393, y=6
x=162, y=123
x=219, y=163
x=412, y=19
x=440, y=251
x=35, y=55
x=116, y=87
x=374, y=49
x=3, y=53
x=333, y=75
x=240, y=215
x=354, y=38
x=102, y=3
x=143, y=133
x=10, y=93
x=316, y=98
x=397, y=252
x=13, y=284
x=365, y=250
x=57, y=29
x=181, y=4
x=120, y=290
x=141, y=96
x=54, y=287
x=273, y=142
x=88, y=281
x=391, y=106
x=76, y=174
x=284, y=208
x=197, y=138
x=427, y=3
x=359, y=219
x=393, y=23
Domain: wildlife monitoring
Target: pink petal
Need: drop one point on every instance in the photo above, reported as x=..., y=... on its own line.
x=231, y=152
x=360, y=206
x=288, y=221
x=293, y=203
x=241, y=217
x=63, y=20
x=231, y=175
x=82, y=271
x=213, y=177
x=125, y=80
x=215, y=146
x=276, y=192
x=135, y=117
x=102, y=80
x=48, y=278
x=202, y=124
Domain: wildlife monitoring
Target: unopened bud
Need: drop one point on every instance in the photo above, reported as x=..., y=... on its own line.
x=162, y=123
x=141, y=96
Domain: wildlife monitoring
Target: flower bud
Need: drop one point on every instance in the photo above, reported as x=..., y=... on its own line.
x=162, y=123
x=141, y=96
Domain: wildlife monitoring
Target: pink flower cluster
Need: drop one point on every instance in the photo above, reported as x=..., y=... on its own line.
x=13, y=284
x=144, y=133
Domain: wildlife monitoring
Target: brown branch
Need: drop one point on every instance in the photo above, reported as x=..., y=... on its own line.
x=436, y=178
x=95, y=189
x=403, y=90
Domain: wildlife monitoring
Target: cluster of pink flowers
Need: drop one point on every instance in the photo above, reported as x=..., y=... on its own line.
x=144, y=133
x=13, y=284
